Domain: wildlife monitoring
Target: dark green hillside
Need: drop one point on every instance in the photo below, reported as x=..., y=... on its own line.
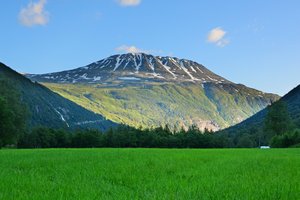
x=47, y=108
x=293, y=101
x=13, y=114
x=255, y=124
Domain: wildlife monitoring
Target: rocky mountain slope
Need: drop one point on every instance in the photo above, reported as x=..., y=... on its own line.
x=47, y=108
x=145, y=90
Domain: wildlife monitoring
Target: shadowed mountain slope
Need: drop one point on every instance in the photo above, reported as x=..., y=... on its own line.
x=47, y=108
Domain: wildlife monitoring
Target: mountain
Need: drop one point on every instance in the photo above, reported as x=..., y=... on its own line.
x=255, y=124
x=47, y=108
x=146, y=90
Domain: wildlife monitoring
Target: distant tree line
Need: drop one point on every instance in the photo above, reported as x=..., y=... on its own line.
x=122, y=136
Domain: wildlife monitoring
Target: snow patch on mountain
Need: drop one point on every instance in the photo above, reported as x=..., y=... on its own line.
x=61, y=117
x=139, y=65
x=129, y=78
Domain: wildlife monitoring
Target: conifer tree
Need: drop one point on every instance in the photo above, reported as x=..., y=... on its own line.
x=277, y=121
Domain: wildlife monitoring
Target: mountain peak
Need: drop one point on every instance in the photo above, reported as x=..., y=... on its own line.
x=135, y=67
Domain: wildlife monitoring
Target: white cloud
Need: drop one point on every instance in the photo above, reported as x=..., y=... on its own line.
x=34, y=14
x=130, y=49
x=216, y=36
x=134, y=49
x=129, y=2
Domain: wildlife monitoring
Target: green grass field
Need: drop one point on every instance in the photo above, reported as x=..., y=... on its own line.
x=150, y=174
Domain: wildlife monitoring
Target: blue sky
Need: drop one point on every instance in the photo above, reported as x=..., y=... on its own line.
x=255, y=42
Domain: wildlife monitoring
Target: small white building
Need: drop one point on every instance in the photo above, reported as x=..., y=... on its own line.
x=264, y=147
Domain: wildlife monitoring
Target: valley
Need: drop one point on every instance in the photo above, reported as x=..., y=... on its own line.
x=145, y=99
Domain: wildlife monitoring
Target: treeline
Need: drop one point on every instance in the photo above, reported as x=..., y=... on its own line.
x=288, y=139
x=122, y=136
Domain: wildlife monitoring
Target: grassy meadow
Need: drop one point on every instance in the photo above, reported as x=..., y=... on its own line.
x=150, y=174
